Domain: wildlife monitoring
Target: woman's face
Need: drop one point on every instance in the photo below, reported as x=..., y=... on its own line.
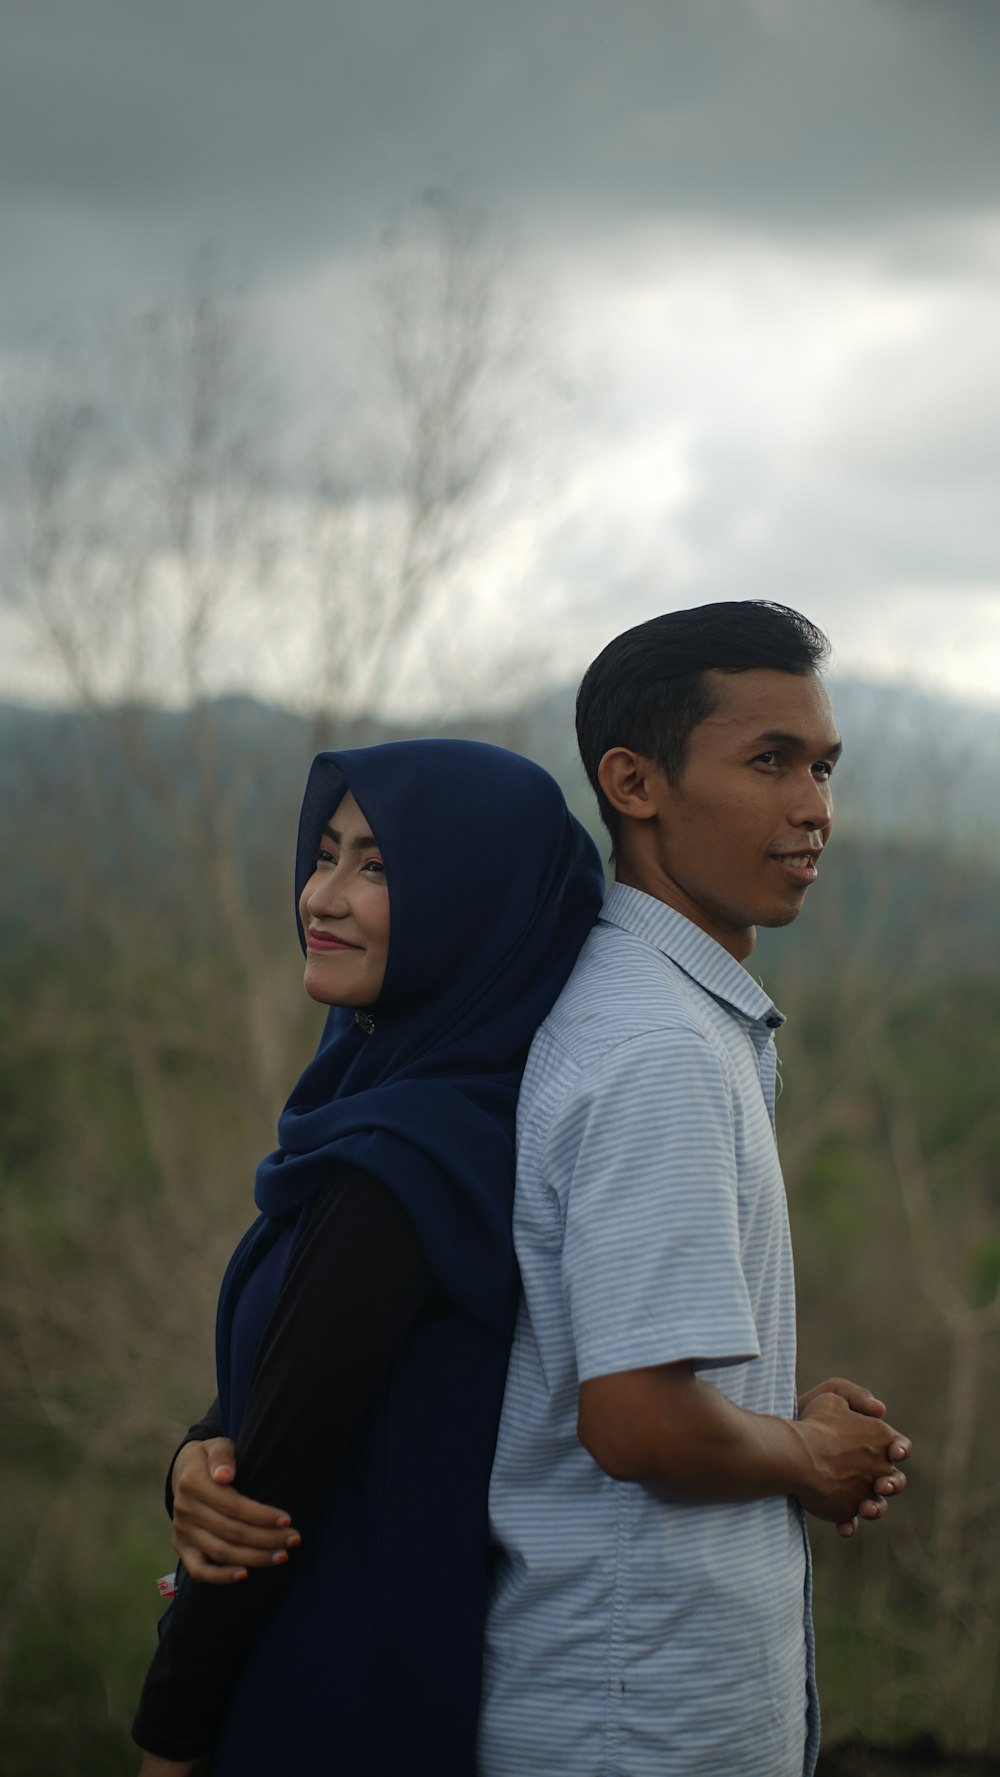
x=344, y=909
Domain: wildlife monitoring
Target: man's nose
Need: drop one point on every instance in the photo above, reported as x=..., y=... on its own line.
x=814, y=805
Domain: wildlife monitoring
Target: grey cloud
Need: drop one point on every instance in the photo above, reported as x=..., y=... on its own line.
x=304, y=120
x=925, y=417
x=127, y=131
x=794, y=532
x=819, y=535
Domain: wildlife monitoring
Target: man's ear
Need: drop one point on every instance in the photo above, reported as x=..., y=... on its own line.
x=626, y=780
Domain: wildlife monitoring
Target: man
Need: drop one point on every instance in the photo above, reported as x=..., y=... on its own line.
x=651, y=1611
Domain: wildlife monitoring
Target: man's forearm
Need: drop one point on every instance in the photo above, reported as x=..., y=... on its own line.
x=663, y=1426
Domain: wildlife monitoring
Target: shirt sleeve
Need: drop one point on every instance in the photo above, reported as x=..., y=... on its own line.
x=356, y=1282
x=651, y=1264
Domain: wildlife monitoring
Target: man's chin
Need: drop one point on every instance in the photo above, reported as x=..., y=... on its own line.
x=779, y=916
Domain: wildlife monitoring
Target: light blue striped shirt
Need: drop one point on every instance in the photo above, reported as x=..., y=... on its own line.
x=630, y=1635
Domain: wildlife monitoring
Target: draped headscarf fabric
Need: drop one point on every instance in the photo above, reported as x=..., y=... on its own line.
x=493, y=886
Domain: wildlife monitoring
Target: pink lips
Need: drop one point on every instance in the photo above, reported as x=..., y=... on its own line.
x=326, y=941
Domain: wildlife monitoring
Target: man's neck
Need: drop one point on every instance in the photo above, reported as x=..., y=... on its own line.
x=649, y=881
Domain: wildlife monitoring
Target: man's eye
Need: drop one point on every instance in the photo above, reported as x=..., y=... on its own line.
x=823, y=768
x=765, y=758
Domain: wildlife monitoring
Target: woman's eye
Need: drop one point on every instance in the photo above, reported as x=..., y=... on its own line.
x=376, y=866
x=325, y=857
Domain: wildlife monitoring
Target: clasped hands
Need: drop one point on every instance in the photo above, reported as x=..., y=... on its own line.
x=859, y=1399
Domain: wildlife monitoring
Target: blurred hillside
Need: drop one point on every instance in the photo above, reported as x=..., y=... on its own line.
x=914, y=764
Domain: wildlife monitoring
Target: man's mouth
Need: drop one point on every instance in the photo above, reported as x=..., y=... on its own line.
x=799, y=865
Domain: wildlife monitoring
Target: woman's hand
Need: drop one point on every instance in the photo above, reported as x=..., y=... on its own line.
x=219, y=1533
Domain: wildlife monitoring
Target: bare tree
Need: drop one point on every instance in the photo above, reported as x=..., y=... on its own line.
x=150, y=532
x=448, y=427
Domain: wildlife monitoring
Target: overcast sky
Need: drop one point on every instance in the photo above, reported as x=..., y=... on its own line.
x=767, y=234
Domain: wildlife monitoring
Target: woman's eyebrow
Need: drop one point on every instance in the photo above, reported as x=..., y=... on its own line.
x=363, y=841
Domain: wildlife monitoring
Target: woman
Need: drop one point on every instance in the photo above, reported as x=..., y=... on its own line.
x=364, y=1319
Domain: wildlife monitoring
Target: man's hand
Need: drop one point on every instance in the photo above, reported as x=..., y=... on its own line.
x=852, y=1454
x=219, y=1533
x=860, y=1400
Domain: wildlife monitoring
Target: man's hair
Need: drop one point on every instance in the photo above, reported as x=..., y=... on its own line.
x=648, y=689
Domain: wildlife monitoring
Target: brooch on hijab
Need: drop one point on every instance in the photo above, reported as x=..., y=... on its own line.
x=366, y=1022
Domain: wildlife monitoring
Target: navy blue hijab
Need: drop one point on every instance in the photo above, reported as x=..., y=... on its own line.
x=493, y=886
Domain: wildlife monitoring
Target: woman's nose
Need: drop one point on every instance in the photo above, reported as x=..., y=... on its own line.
x=327, y=899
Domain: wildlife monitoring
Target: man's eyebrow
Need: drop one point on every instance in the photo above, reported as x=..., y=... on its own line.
x=363, y=841
x=776, y=737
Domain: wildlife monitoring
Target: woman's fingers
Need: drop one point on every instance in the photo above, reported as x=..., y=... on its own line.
x=269, y=1530
x=224, y=1541
x=215, y=1527
x=208, y=1572
x=229, y=1536
x=224, y=1552
x=200, y=1499
x=220, y=1455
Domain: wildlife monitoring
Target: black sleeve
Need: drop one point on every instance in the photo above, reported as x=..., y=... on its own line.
x=208, y=1426
x=355, y=1283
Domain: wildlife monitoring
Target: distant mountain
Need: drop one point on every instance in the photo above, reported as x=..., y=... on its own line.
x=916, y=791
x=918, y=764
x=913, y=763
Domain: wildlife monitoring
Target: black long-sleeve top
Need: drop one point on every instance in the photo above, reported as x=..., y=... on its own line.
x=355, y=1284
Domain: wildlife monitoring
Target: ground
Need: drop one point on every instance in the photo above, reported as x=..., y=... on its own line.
x=921, y=1758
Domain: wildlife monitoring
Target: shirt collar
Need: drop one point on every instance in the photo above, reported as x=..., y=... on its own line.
x=692, y=950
